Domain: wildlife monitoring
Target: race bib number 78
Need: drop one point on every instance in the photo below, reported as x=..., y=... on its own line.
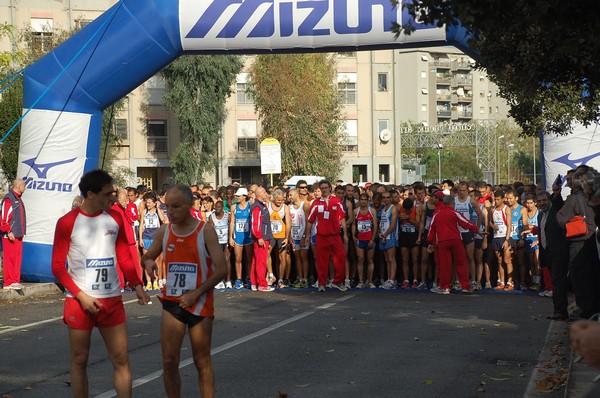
x=181, y=278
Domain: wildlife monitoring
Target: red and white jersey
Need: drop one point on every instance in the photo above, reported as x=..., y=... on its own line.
x=188, y=266
x=86, y=251
x=364, y=225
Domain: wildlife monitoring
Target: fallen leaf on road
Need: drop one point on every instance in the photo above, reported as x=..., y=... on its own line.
x=333, y=328
x=330, y=350
x=303, y=385
x=28, y=388
x=365, y=313
x=428, y=381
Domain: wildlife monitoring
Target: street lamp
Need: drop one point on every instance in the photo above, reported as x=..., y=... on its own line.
x=509, y=146
x=497, y=158
x=439, y=148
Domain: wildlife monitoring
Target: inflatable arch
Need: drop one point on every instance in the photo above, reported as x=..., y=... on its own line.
x=66, y=91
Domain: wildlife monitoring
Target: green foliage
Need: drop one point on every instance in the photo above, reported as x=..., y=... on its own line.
x=457, y=164
x=197, y=88
x=11, y=109
x=543, y=55
x=299, y=105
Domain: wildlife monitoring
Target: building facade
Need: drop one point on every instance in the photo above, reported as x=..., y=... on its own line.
x=380, y=90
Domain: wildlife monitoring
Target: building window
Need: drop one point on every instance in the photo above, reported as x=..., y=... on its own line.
x=384, y=172
x=349, y=136
x=423, y=75
x=383, y=124
x=247, y=140
x=359, y=173
x=156, y=140
x=382, y=85
x=82, y=23
x=41, y=34
x=120, y=127
x=156, y=89
x=423, y=108
x=347, y=54
x=347, y=88
x=481, y=110
x=242, y=95
x=244, y=175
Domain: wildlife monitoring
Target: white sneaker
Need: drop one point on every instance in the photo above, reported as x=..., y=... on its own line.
x=254, y=288
x=439, y=290
x=371, y=285
x=488, y=286
x=347, y=283
x=422, y=286
x=360, y=285
x=220, y=285
x=340, y=287
x=321, y=288
x=271, y=279
x=228, y=285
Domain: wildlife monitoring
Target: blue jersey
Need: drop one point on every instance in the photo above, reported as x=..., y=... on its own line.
x=241, y=225
x=516, y=223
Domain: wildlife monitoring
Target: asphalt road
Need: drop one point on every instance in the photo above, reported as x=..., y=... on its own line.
x=304, y=344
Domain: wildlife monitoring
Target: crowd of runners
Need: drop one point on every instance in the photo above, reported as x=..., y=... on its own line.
x=385, y=239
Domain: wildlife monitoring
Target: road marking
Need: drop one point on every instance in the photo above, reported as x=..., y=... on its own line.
x=34, y=324
x=155, y=375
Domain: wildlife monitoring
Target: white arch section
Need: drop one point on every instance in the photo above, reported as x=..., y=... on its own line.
x=66, y=91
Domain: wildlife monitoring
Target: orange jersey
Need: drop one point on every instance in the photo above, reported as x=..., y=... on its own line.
x=188, y=266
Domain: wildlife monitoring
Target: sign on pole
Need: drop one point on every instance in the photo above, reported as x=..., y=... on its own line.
x=270, y=156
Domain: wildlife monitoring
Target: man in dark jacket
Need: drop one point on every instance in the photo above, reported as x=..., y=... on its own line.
x=554, y=250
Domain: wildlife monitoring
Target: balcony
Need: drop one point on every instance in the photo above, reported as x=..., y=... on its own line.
x=443, y=97
x=444, y=114
x=441, y=64
x=461, y=65
x=462, y=82
x=457, y=115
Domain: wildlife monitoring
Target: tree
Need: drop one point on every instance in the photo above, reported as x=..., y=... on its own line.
x=543, y=55
x=457, y=164
x=11, y=109
x=299, y=105
x=197, y=87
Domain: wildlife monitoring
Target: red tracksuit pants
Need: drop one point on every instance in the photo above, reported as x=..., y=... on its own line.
x=330, y=245
x=449, y=252
x=258, y=271
x=13, y=253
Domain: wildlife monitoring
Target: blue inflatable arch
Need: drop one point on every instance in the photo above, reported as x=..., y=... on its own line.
x=66, y=91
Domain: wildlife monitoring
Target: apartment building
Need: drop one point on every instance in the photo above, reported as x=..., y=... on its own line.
x=380, y=91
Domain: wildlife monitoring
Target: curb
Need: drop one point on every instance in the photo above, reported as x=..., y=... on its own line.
x=30, y=289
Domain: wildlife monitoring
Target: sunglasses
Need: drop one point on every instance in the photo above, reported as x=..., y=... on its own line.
x=303, y=187
x=386, y=197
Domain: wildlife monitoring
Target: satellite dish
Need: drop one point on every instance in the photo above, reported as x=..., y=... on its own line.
x=385, y=135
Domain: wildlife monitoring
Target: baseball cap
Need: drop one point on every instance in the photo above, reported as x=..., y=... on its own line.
x=439, y=194
x=241, y=192
x=368, y=184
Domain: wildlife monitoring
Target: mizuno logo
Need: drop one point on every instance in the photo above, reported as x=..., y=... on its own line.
x=573, y=163
x=42, y=169
x=281, y=18
x=99, y=262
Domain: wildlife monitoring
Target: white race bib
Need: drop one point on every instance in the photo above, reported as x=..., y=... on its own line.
x=242, y=225
x=363, y=226
x=100, y=275
x=181, y=278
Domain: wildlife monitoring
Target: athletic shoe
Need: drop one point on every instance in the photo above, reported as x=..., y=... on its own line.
x=155, y=286
x=281, y=284
x=149, y=286
x=347, y=283
x=499, y=286
x=467, y=291
x=523, y=286
x=339, y=286
x=434, y=285
x=509, y=287
x=253, y=288
x=371, y=285
x=360, y=285
x=405, y=285
x=266, y=288
x=473, y=285
x=321, y=288
x=422, y=286
x=220, y=285
x=415, y=284
x=546, y=293
x=14, y=286
x=238, y=284
x=316, y=284
x=440, y=290
x=298, y=283
x=228, y=285
x=456, y=286
x=535, y=287
x=271, y=279
x=488, y=286
x=387, y=285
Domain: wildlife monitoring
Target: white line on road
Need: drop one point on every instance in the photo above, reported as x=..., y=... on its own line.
x=155, y=375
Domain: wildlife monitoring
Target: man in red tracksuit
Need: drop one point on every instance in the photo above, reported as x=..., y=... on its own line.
x=12, y=229
x=262, y=234
x=444, y=233
x=328, y=211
